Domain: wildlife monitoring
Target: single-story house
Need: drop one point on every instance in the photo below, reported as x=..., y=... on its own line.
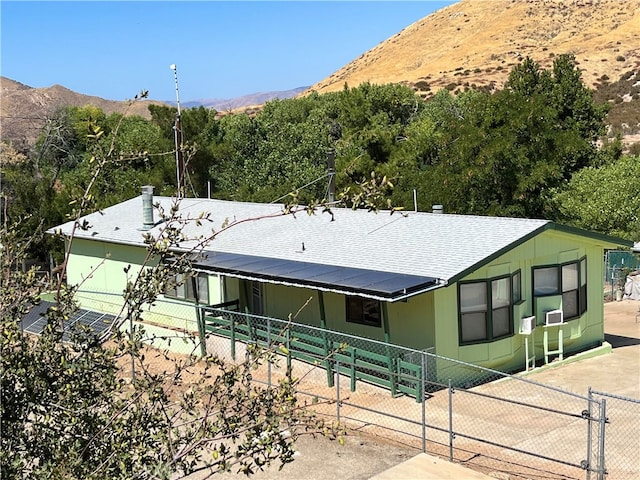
x=465, y=287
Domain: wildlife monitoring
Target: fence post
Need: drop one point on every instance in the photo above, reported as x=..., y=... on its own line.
x=338, y=390
x=269, y=348
x=233, y=337
x=589, y=438
x=325, y=341
x=352, y=371
x=451, y=434
x=603, y=421
x=200, y=316
x=288, y=341
x=391, y=360
x=424, y=402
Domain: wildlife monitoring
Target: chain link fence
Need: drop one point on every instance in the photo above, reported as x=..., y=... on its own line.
x=617, y=265
x=495, y=422
x=168, y=324
x=505, y=425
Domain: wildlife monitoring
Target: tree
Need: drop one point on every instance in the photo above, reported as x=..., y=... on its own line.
x=503, y=153
x=200, y=129
x=603, y=199
x=69, y=410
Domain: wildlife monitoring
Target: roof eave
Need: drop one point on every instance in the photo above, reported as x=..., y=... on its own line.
x=606, y=241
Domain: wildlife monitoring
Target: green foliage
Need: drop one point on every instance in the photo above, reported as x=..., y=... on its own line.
x=200, y=131
x=29, y=200
x=500, y=153
x=604, y=199
x=70, y=410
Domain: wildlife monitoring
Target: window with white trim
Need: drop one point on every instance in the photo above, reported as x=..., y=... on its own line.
x=486, y=310
x=183, y=288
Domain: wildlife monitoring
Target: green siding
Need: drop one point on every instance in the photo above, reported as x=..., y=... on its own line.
x=98, y=269
x=425, y=321
x=412, y=323
x=551, y=247
x=300, y=303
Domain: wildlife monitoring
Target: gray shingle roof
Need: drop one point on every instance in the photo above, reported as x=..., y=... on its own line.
x=442, y=246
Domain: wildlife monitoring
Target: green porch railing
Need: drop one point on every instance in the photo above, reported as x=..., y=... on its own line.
x=396, y=368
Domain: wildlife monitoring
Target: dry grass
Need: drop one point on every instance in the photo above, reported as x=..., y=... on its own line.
x=477, y=42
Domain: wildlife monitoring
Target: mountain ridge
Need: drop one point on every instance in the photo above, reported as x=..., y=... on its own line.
x=469, y=44
x=24, y=109
x=258, y=98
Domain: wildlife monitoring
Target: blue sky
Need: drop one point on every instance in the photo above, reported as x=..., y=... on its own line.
x=221, y=49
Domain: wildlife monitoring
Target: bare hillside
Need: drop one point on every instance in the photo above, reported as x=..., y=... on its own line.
x=24, y=109
x=477, y=42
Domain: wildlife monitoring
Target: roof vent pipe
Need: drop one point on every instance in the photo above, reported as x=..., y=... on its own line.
x=437, y=209
x=147, y=207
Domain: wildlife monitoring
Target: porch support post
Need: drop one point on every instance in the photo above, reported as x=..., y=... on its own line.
x=387, y=341
x=202, y=334
x=247, y=295
x=323, y=325
x=385, y=322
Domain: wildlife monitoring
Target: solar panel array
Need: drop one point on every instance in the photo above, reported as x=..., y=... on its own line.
x=387, y=285
x=35, y=321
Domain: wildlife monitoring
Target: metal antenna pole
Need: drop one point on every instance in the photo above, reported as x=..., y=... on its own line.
x=331, y=164
x=178, y=138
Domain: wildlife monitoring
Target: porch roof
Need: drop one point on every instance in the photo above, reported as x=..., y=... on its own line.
x=385, y=286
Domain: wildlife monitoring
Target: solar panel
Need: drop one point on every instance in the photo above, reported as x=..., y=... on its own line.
x=351, y=281
x=34, y=321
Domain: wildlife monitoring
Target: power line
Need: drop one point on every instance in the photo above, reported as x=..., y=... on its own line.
x=304, y=186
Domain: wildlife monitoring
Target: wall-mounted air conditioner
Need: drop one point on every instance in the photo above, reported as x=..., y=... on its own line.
x=553, y=317
x=527, y=325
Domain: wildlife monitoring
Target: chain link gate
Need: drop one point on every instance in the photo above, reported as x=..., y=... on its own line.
x=619, y=418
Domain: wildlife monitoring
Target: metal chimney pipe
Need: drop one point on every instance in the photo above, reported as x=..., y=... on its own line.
x=437, y=209
x=147, y=207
